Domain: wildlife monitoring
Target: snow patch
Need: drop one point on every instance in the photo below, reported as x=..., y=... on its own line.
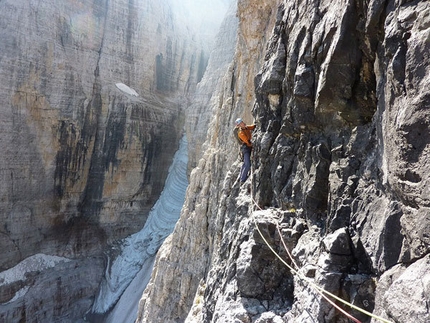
x=126, y=309
x=18, y=295
x=124, y=88
x=38, y=262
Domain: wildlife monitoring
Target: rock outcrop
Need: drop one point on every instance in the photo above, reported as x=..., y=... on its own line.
x=340, y=98
x=90, y=91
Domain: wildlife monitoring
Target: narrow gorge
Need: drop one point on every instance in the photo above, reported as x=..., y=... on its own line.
x=100, y=99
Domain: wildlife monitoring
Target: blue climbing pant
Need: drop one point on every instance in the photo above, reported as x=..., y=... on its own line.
x=246, y=166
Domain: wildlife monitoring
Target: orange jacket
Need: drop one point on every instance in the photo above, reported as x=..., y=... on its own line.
x=245, y=134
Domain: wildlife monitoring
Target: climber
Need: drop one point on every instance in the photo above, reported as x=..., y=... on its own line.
x=244, y=133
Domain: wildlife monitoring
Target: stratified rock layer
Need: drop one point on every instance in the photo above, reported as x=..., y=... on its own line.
x=92, y=96
x=340, y=164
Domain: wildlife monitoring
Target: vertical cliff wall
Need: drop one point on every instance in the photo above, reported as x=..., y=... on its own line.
x=339, y=95
x=92, y=98
x=177, y=274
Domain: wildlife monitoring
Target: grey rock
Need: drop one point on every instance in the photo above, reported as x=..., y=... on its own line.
x=48, y=295
x=337, y=243
x=404, y=283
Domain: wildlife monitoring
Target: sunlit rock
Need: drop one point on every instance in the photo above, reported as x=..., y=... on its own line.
x=339, y=95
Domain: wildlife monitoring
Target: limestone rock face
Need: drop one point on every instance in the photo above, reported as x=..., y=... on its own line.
x=44, y=290
x=199, y=231
x=90, y=91
x=206, y=99
x=339, y=96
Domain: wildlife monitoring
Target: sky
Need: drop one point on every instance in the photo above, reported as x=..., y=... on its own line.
x=205, y=15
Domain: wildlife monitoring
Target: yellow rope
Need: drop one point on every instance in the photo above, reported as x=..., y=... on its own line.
x=297, y=268
x=301, y=277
